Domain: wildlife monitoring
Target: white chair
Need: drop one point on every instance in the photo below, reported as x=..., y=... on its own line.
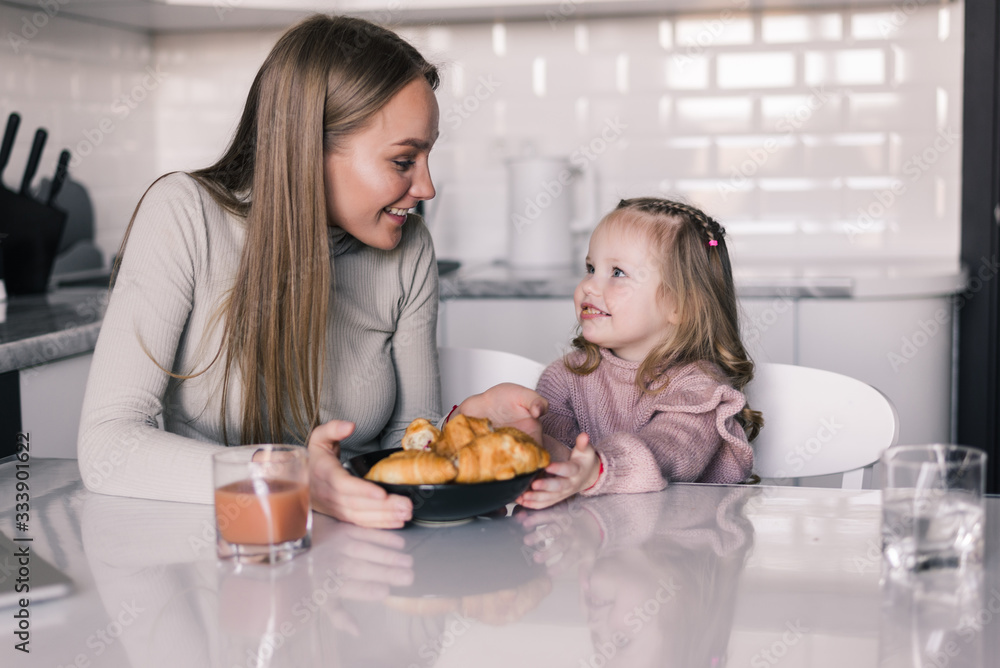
x=468, y=371
x=819, y=423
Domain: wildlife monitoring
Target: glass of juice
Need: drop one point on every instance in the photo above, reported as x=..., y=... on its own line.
x=262, y=503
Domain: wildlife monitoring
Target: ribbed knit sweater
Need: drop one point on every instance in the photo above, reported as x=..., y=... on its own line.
x=687, y=432
x=181, y=259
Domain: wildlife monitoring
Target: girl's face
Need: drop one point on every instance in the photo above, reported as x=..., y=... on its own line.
x=380, y=172
x=617, y=302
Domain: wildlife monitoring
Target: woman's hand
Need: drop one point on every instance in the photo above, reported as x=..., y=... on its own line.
x=337, y=493
x=565, y=478
x=509, y=405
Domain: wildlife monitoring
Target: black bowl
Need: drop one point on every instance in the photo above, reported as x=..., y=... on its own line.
x=451, y=501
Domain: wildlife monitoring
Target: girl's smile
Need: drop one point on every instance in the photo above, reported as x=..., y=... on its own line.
x=588, y=311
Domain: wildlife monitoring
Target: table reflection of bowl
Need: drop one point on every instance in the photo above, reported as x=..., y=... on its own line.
x=451, y=501
x=479, y=570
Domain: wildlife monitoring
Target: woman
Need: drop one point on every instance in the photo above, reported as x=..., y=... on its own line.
x=287, y=285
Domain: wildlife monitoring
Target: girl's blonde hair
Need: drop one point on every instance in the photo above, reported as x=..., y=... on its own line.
x=690, y=249
x=324, y=79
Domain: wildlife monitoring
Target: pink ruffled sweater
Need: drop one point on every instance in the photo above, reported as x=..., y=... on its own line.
x=685, y=433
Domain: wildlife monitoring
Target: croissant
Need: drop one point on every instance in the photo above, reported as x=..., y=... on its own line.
x=459, y=432
x=499, y=456
x=413, y=467
x=420, y=434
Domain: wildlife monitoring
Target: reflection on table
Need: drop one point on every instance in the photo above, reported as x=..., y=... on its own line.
x=698, y=575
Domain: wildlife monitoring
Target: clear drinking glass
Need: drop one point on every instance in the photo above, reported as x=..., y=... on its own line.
x=262, y=503
x=932, y=509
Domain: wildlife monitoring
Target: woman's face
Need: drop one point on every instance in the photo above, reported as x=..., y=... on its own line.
x=380, y=172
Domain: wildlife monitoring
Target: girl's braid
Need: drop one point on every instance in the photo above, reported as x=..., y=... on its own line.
x=713, y=230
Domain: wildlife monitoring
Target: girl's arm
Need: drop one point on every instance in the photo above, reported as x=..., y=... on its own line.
x=692, y=437
x=559, y=425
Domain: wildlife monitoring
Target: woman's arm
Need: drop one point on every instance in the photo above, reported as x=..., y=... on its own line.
x=414, y=342
x=121, y=449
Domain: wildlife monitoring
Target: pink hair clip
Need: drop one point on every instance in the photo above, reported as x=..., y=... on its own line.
x=713, y=242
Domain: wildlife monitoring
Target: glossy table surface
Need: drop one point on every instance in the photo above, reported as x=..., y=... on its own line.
x=697, y=575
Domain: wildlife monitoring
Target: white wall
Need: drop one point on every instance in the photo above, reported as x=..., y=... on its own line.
x=799, y=131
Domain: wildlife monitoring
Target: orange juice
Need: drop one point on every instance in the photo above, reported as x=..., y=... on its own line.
x=262, y=512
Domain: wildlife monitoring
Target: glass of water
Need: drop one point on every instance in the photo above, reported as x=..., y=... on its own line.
x=932, y=509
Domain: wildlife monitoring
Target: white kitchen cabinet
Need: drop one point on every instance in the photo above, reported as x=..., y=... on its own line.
x=767, y=327
x=540, y=329
x=51, y=402
x=543, y=328
x=903, y=347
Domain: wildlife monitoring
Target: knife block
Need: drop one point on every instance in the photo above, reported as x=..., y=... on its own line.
x=29, y=238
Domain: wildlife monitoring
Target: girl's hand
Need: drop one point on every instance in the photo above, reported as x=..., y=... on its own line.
x=509, y=405
x=565, y=478
x=335, y=492
x=564, y=538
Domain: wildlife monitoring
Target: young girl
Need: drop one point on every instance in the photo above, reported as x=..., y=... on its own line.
x=651, y=393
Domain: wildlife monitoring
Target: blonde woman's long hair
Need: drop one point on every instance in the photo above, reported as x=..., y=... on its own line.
x=690, y=249
x=324, y=80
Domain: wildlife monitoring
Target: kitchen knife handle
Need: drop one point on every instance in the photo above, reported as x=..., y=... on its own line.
x=36, y=153
x=13, y=121
x=60, y=176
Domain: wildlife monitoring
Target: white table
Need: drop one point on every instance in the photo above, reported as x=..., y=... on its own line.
x=698, y=575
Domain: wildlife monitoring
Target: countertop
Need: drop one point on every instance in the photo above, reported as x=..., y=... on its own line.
x=778, y=278
x=43, y=328
x=696, y=575
x=66, y=322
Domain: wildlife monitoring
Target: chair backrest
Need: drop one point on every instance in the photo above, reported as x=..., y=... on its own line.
x=468, y=371
x=818, y=423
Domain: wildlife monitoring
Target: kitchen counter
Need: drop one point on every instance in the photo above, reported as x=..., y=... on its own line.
x=780, y=278
x=44, y=328
x=65, y=322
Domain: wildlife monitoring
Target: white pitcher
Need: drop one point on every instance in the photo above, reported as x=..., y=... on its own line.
x=540, y=211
